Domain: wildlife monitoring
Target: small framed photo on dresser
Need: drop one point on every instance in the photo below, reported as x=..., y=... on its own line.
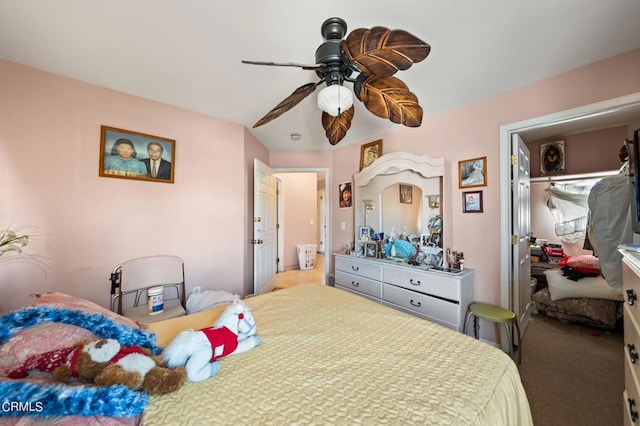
x=366, y=233
x=370, y=249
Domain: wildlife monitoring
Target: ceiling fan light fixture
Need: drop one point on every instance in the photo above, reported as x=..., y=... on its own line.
x=335, y=99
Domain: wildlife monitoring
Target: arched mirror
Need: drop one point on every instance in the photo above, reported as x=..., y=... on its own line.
x=400, y=193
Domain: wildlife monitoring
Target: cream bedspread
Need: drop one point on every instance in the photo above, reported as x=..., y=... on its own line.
x=330, y=357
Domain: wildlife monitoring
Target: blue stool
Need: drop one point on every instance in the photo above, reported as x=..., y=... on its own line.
x=496, y=314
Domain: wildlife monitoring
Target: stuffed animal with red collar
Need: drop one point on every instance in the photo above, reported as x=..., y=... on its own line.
x=105, y=362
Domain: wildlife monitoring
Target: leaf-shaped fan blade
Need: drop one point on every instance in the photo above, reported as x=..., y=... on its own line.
x=382, y=52
x=292, y=100
x=336, y=127
x=389, y=97
x=286, y=64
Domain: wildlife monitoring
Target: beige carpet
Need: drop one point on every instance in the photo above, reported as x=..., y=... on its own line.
x=573, y=375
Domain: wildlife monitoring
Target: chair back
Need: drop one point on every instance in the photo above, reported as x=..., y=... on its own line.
x=151, y=271
x=132, y=279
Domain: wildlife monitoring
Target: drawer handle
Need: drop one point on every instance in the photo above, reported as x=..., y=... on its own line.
x=416, y=283
x=355, y=284
x=355, y=268
x=632, y=353
x=417, y=305
x=632, y=405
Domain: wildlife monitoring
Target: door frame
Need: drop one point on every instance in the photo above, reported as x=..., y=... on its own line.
x=506, y=131
x=327, y=174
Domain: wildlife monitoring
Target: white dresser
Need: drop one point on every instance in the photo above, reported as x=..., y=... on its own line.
x=631, y=292
x=440, y=297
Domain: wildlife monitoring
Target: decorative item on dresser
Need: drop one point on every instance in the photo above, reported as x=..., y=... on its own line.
x=442, y=297
x=631, y=287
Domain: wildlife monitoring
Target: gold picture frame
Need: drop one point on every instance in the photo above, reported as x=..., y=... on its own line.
x=472, y=172
x=370, y=152
x=125, y=154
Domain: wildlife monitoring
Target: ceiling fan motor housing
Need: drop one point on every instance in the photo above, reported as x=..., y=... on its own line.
x=333, y=30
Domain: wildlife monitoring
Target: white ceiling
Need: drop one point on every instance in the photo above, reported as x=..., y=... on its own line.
x=187, y=53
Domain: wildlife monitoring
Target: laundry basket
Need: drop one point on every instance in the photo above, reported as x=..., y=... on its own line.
x=307, y=256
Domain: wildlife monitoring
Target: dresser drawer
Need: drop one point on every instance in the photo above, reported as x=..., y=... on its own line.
x=359, y=284
x=423, y=282
x=631, y=400
x=359, y=267
x=437, y=310
x=632, y=344
x=626, y=413
x=360, y=294
x=631, y=291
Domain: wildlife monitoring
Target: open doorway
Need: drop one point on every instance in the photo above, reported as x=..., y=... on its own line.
x=616, y=111
x=302, y=224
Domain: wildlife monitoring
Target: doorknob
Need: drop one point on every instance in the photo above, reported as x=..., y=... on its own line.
x=258, y=219
x=257, y=241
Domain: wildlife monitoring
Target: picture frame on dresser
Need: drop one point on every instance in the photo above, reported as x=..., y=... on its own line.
x=370, y=249
x=365, y=233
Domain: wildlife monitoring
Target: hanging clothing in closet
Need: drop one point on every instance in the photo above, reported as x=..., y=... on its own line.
x=610, y=224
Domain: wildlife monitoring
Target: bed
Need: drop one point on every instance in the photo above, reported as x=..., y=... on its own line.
x=330, y=357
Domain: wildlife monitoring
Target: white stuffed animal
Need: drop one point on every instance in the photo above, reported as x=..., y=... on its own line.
x=199, y=351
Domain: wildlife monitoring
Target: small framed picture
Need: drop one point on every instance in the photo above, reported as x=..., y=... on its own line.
x=370, y=249
x=472, y=172
x=369, y=152
x=436, y=239
x=472, y=202
x=366, y=233
x=552, y=158
x=345, y=199
x=406, y=194
x=424, y=239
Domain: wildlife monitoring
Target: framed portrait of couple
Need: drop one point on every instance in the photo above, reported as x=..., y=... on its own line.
x=126, y=154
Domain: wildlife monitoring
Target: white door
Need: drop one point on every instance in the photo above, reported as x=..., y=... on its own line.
x=264, y=228
x=521, y=214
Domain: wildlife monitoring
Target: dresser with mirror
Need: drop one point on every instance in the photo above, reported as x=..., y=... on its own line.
x=399, y=196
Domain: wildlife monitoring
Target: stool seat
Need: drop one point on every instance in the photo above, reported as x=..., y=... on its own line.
x=496, y=314
x=491, y=312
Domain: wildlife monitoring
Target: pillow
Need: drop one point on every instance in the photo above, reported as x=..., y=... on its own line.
x=67, y=301
x=560, y=287
x=39, y=339
x=584, y=261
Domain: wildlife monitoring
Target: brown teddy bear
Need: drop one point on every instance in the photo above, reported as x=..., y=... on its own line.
x=105, y=362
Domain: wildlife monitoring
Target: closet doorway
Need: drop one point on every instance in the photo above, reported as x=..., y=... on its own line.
x=617, y=111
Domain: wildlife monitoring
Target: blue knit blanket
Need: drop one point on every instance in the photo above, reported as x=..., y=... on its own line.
x=28, y=398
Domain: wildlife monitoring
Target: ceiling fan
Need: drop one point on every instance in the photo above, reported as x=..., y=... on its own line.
x=368, y=58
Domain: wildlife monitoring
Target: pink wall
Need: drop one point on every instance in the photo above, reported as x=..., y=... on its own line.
x=86, y=224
